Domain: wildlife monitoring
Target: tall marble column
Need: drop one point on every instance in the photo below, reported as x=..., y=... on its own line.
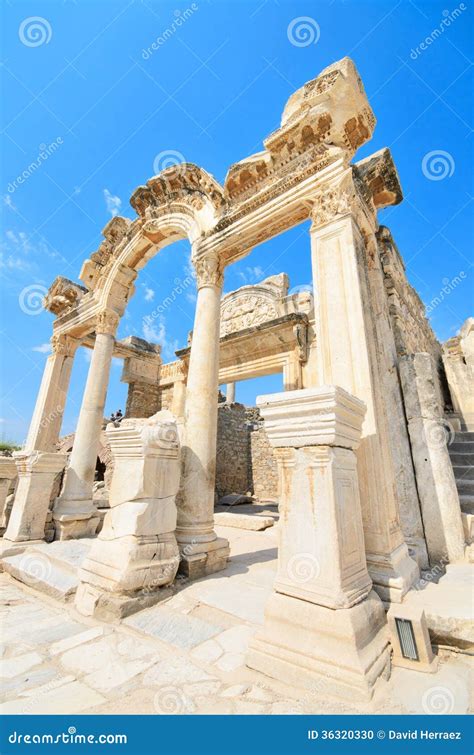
x=349, y=356
x=38, y=464
x=74, y=513
x=201, y=551
x=49, y=408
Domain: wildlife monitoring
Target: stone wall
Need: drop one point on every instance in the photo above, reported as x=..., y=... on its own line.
x=245, y=459
x=232, y=468
x=264, y=473
x=411, y=329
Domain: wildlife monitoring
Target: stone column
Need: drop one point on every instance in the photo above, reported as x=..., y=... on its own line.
x=8, y=473
x=37, y=471
x=135, y=554
x=48, y=413
x=202, y=552
x=430, y=435
x=324, y=627
x=458, y=358
x=349, y=356
x=74, y=513
x=230, y=393
x=178, y=403
x=37, y=464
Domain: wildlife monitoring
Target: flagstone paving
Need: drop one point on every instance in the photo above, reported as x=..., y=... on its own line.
x=186, y=655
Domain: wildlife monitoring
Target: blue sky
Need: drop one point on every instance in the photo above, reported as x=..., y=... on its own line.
x=80, y=87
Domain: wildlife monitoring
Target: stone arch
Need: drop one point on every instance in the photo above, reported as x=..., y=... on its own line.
x=183, y=201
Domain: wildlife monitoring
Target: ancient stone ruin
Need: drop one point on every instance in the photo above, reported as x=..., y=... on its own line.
x=366, y=451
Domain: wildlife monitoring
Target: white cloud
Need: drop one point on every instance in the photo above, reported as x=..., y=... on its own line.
x=113, y=203
x=43, y=348
x=252, y=274
x=149, y=294
x=9, y=202
x=155, y=332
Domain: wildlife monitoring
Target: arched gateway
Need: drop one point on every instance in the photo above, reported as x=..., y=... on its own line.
x=350, y=390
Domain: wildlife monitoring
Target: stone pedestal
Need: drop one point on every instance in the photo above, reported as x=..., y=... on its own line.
x=136, y=553
x=8, y=473
x=349, y=356
x=37, y=471
x=74, y=512
x=324, y=626
x=201, y=551
x=430, y=436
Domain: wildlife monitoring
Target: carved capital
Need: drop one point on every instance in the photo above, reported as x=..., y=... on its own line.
x=209, y=271
x=336, y=200
x=107, y=322
x=64, y=345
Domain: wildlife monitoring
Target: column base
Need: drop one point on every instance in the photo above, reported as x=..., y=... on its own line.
x=200, y=559
x=106, y=606
x=127, y=574
x=75, y=519
x=392, y=575
x=342, y=652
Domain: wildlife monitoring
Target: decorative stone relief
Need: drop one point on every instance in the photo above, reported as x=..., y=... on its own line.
x=209, y=271
x=107, y=322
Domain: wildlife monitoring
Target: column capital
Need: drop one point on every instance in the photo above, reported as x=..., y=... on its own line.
x=347, y=196
x=63, y=344
x=107, y=322
x=209, y=271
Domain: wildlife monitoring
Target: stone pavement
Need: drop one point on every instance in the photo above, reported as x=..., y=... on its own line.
x=185, y=655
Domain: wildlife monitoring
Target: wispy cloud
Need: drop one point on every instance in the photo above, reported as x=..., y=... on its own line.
x=155, y=332
x=149, y=293
x=112, y=202
x=43, y=348
x=251, y=274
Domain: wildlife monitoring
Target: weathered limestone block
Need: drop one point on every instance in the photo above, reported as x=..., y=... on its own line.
x=136, y=552
x=458, y=359
x=37, y=472
x=324, y=625
x=8, y=473
x=429, y=437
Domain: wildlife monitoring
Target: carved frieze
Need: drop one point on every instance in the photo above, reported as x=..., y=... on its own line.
x=246, y=311
x=63, y=296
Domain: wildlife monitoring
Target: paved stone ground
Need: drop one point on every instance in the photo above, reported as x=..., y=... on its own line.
x=186, y=655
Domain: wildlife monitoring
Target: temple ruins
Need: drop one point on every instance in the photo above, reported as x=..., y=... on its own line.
x=365, y=457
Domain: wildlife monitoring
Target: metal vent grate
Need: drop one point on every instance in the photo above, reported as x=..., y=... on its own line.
x=406, y=638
